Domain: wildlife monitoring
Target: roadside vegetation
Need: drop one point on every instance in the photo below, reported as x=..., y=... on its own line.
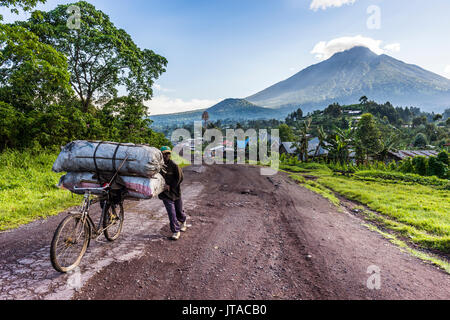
x=416, y=208
x=28, y=188
x=50, y=96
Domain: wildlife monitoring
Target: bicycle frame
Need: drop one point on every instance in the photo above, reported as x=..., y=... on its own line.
x=97, y=230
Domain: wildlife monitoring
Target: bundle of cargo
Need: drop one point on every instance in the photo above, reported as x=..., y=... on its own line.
x=137, y=187
x=91, y=164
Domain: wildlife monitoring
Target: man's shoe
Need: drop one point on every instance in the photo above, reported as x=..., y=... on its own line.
x=175, y=236
x=183, y=227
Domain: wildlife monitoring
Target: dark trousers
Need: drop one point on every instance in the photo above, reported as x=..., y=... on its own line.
x=176, y=213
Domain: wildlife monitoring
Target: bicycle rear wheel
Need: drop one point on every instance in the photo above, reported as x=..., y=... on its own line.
x=69, y=244
x=113, y=216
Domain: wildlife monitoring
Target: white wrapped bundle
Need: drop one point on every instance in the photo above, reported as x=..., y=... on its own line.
x=137, y=187
x=106, y=157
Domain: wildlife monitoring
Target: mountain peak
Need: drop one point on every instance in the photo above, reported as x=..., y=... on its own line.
x=357, y=52
x=357, y=72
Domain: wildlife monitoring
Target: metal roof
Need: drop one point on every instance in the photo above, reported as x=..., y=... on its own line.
x=312, y=147
x=289, y=146
x=403, y=154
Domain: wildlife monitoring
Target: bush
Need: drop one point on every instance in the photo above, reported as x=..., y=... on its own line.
x=420, y=165
x=436, y=168
x=420, y=141
x=408, y=177
x=443, y=157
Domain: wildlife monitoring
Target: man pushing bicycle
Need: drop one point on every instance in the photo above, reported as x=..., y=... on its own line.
x=171, y=196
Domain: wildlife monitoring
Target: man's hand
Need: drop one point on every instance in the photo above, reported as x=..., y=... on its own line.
x=167, y=188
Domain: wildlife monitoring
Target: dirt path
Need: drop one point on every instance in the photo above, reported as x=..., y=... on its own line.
x=252, y=237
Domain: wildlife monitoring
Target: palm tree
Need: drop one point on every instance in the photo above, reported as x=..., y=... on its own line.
x=388, y=144
x=304, y=132
x=363, y=100
x=322, y=136
x=205, y=117
x=339, y=145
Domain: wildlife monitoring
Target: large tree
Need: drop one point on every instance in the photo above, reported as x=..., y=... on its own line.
x=368, y=137
x=101, y=57
x=286, y=133
x=32, y=73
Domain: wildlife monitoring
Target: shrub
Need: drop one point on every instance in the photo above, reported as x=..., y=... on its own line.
x=436, y=168
x=443, y=157
x=420, y=165
x=420, y=141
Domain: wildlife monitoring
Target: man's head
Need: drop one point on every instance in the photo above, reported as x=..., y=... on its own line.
x=167, y=153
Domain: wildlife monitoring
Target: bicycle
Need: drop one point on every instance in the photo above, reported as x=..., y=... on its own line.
x=74, y=233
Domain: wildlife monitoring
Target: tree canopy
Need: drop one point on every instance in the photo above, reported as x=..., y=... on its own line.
x=59, y=84
x=25, y=5
x=101, y=57
x=31, y=72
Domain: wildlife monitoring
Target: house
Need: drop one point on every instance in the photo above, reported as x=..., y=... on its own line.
x=213, y=152
x=405, y=154
x=312, y=148
x=287, y=148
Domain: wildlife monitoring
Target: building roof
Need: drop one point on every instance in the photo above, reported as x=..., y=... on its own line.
x=404, y=154
x=312, y=147
x=289, y=147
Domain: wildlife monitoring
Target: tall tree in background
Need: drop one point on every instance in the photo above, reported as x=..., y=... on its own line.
x=303, y=143
x=205, y=118
x=363, y=100
x=101, y=57
x=286, y=133
x=368, y=137
x=322, y=136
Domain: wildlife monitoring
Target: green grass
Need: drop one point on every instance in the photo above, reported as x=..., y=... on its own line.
x=182, y=162
x=28, y=188
x=395, y=177
x=422, y=207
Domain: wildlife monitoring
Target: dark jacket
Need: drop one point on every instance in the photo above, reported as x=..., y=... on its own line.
x=174, y=177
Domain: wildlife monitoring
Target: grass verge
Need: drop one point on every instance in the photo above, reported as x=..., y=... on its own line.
x=417, y=212
x=28, y=188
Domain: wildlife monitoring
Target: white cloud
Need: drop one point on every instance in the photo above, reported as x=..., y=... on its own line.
x=324, y=50
x=393, y=47
x=166, y=105
x=161, y=89
x=324, y=4
x=447, y=70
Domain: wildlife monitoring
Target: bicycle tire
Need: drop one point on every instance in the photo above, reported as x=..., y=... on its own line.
x=112, y=234
x=55, y=257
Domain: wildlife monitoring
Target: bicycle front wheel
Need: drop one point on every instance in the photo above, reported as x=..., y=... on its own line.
x=113, y=217
x=69, y=244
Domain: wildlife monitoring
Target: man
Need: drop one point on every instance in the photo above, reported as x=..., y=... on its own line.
x=172, y=194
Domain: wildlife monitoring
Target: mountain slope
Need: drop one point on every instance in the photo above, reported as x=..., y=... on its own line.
x=233, y=109
x=348, y=75
x=238, y=109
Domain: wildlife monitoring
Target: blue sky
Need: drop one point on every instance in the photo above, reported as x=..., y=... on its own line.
x=221, y=49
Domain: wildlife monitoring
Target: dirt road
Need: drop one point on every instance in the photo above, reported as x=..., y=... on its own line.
x=251, y=237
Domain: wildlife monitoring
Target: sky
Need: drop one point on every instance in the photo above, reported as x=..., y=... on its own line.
x=218, y=49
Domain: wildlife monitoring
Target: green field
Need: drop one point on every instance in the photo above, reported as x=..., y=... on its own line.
x=28, y=188
x=417, y=211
